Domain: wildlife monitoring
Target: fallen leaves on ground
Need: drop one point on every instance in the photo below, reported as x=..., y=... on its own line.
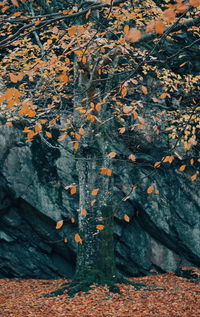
x=173, y=297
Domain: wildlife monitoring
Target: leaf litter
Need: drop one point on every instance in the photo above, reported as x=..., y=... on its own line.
x=165, y=295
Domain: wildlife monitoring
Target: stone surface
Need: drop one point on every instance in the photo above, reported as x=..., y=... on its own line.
x=163, y=233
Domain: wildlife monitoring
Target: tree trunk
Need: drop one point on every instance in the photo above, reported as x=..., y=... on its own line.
x=95, y=257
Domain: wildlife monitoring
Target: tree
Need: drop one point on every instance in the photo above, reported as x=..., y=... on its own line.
x=95, y=77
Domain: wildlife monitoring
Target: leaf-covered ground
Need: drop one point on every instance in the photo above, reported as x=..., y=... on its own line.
x=173, y=296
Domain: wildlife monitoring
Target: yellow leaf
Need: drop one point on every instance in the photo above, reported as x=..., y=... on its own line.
x=126, y=218
x=77, y=238
x=73, y=190
x=150, y=189
x=182, y=168
x=59, y=224
x=100, y=227
x=84, y=212
x=132, y=157
x=94, y=192
x=111, y=154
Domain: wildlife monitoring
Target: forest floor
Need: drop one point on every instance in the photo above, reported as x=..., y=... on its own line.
x=165, y=295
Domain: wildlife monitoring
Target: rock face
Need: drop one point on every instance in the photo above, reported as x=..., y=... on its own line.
x=163, y=233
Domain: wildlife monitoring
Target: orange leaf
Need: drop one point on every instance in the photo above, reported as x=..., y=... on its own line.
x=132, y=157
x=38, y=127
x=4, y=9
x=48, y=134
x=135, y=114
x=169, y=15
x=144, y=90
x=76, y=146
x=15, y=3
x=156, y=191
x=126, y=29
x=73, y=190
x=65, y=240
x=84, y=212
x=13, y=78
x=92, y=202
x=150, y=189
x=62, y=137
x=127, y=109
x=122, y=130
x=72, y=220
x=30, y=134
x=126, y=218
x=155, y=99
x=59, y=224
x=124, y=91
x=77, y=238
x=111, y=154
x=182, y=168
x=100, y=227
x=72, y=30
x=191, y=161
x=159, y=27
x=194, y=177
x=103, y=171
x=133, y=35
x=194, y=3
x=150, y=27
x=109, y=172
x=98, y=107
x=157, y=164
x=168, y=159
x=81, y=131
x=94, y=192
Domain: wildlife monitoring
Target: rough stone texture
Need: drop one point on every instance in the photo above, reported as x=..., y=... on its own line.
x=163, y=233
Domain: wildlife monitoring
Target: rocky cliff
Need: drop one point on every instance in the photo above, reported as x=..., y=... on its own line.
x=163, y=233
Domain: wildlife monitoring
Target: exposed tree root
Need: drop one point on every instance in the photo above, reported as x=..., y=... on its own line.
x=84, y=285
